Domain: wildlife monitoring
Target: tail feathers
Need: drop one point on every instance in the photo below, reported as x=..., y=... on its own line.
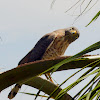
x=14, y=91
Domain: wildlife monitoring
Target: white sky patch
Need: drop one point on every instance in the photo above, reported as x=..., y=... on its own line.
x=21, y=18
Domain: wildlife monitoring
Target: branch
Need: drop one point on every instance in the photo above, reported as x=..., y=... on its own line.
x=29, y=70
x=48, y=88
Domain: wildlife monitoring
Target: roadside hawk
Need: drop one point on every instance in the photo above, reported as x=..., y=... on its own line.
x=50, y=46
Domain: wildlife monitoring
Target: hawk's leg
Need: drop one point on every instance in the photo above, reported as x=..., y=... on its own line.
x=48, y=76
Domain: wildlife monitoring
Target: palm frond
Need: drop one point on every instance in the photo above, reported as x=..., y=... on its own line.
x=94, y=18
x=62, y=92
x=73, y=75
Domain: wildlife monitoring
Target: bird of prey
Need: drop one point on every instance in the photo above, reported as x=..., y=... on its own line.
x=50, y=46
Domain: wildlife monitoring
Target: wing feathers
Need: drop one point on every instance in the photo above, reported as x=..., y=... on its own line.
x=37, y=52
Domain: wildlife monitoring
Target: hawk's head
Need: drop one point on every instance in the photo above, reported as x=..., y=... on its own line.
x=71, y=34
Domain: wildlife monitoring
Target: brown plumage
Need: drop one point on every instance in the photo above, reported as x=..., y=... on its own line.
x=50, y=46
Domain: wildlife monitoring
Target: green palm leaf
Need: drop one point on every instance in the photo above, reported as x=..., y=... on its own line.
x=94, y=18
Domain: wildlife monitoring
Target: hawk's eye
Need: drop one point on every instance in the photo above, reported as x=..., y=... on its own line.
x=72, y=28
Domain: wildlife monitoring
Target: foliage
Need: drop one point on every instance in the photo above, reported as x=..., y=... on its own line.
x=94, y=18
x=26, y=74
